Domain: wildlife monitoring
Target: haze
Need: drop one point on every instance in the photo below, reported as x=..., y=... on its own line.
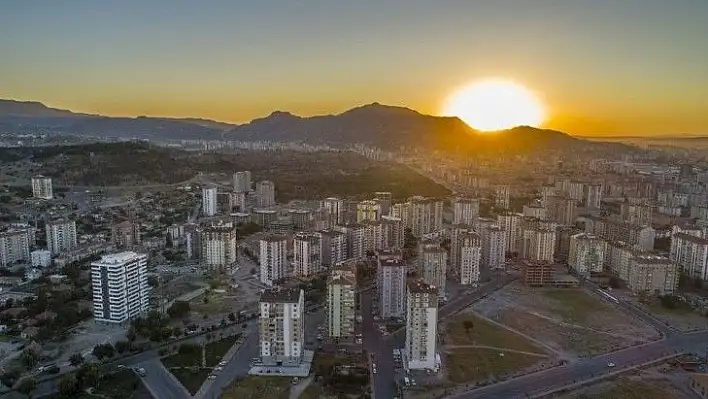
x=606, y=67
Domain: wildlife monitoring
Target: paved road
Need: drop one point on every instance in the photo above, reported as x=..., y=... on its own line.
x=160, y=382
x=375, y=344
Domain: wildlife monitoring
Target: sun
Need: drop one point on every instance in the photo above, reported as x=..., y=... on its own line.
x=495, y=104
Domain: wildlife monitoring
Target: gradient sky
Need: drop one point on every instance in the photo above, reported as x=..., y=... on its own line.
x=601, y=66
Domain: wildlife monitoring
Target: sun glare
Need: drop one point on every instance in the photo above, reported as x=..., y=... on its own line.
x=495, y=104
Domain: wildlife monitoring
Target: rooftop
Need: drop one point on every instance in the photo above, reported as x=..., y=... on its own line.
x=282, y=295
x=274, y=238
x=420, y=286
x=691, y=238
x=118, y=258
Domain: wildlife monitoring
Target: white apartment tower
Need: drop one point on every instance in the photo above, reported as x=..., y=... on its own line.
x=391, y=286
x=368, y=210
x=355, y=236
x=465, y=210
x=434, y=267
x=425, y=215
x=493, y=247
x=307, y=259
x=510, y=222
x=501, y=197
x=393, y=232
x=402, y=211
x=42, y=187
x=470, y=245
x=282, y=326
x=61, y=236
x=587, y=254
x=120, y=287
x=653, y=275
x=333, y=247
x=373, y=235
x=335, y=208
x=341, y=301
x=210, y=204
x=690, y=253
x=242, y=181
x=538, y=244
x=14, y=246
x=385, y=199
x=593, y=198
x=421, y=325
x=218, y=248
x=273, y=259
x=265, y=194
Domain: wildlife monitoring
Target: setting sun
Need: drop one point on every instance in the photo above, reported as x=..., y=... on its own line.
x=495, y=104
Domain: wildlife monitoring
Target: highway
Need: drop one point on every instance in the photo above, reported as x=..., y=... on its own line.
x=160, y=382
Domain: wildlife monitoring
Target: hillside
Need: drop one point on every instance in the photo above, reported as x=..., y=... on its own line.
x=296, y=174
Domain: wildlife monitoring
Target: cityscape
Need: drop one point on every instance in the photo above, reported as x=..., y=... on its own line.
x=512, y=227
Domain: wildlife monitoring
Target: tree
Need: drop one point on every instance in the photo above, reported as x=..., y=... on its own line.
x=177, y=331
x=103, y=351
x=69, y=386
x=76, y=359
x=89, y=375
x=232, y=317
x=469, y=325
x=131, y=335
x=169, y=242
x=179, y=309
x=698, y=283
x=29, y=358
x=27, y=385
x=153, y=281
x=253, y=270
x=122, y=346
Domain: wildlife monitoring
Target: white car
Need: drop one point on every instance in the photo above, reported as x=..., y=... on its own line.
x=212, y=377
x=222, y=364
x=610, y=365
x=218, y=368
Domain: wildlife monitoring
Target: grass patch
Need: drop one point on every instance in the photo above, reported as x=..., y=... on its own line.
x=183, y=360
x=214, y=304
x=216, y=350
x=259, y=387
x=574, y=305
x=313, y=391
x=481, y=332
x=475, y=364
x=631, y=389
x=192, y=379
x=123, y=384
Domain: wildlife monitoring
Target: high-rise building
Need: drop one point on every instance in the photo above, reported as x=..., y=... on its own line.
x=355, y=239
x=652, y=274
x=301, y=218
x=470, y=245
x=538, y=244
x=341, y=301
x=373, y=235
x=14, y=246
x=385, y=199
x=265, y=194
x=593, y=198
x=368, y=210
x=126, y=234
x=639, y=214
x=501, y=197
x=282, y=326
x=120, y=287
x=333, y=247
x=307, y=259
x=402, y=211
x=465, y=210
x=218, y=248
x=456, y=231
x=493, y=247
x=425, y=215
x=210, y=203
x=61, y=235
x=242, y=181
x=587, y=254
x=393, y=233
x=421, y=325
x=690, y=253
x=335, y=208
x=534, y=211
x=42, y=187
x=273, y=259
x=41, y=258
x=434, y=267
x=510, y=223
x=391, y=286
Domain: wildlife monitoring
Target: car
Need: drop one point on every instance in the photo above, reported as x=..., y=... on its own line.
x=212, y=377
x=610, y=365
x=218, y=368
x=222, y=363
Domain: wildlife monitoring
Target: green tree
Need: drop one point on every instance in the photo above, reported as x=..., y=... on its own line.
x=76, y=359
x=232, y=317
x=27, y=385
x=153, y=281
x=69, y=386
x=9, y=378
x=179, y=309
x=89, y=374
x=29, y=359
x=122, y=346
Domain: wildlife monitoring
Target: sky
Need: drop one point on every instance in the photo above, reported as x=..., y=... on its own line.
x=601, y=67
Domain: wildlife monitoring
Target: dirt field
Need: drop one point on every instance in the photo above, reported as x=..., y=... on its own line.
x=649, y=384
x=571, y=322
x=682, y=319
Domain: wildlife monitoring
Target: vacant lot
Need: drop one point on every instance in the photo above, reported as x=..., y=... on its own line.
x=469, y=329
x=630, y=388
x=478, y=364
x=684, y=319
x=259, y=387
x=572, y=321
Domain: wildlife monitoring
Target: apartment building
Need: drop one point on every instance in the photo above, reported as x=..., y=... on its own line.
x=242, y=181
x=333, y=247
x=640, y=237
x=335, y=208
x=493, y=247
x=120, y=287
x=510, y=222
x=593, y=196
x=341, y=301
x=652, y=274
x=126, y=234
x=61, y=235
x=355, y=234
x=434, y=267
x=617, y=257
x=391, y=286
x=587, y=254
x=639, y=214
x=402, y=211
x=15, y=245
x=690, y=253
x=393, y=232
x=282, y=326
x=307, y=258
x=368, y=210
x=465, y=210
x=538, y=244
x=502, y=196
x=534, y=211
x=218, y=250
x=273, y=259
x=373, y=235
x=265, y=194
x=470, y=244
x=42, y=187
x=210, y=201
x=456, y=231
x=301, y=219
x=385, y=200
x=425, y=215
x=421, y=325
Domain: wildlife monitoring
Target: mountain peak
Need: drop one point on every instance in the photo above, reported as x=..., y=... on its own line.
x=377, y=108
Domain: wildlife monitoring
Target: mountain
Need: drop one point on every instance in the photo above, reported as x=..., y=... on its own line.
x=391, y=127
x=30, y=117
x=206, y=123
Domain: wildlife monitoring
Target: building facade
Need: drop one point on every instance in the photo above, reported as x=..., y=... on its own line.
x=282, y=326
x=61, y=236
x=120, y=287
x=273, y=259
x=421, y=325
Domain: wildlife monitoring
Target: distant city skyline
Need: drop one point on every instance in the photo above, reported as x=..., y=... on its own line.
x=601, y=67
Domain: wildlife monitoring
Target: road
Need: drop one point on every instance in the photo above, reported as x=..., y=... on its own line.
x=374, y=343
x=160, y=382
